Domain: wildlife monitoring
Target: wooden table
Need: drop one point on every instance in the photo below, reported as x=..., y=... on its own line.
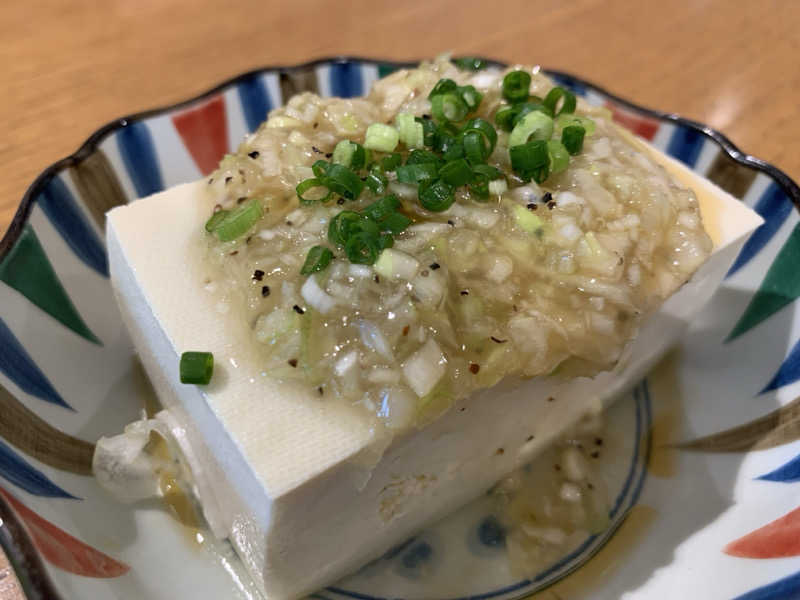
x=67, y=68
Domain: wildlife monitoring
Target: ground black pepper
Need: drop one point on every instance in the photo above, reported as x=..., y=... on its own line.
x=258, y=275
x=265, y=291
x=298, y=310
x=254, y=154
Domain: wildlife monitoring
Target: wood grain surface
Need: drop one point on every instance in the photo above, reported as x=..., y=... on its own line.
x=67, y=68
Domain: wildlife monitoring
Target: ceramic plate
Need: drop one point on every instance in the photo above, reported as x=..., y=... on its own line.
x=703, y=459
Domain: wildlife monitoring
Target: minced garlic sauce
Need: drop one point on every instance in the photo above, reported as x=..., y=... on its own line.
x=534, y=279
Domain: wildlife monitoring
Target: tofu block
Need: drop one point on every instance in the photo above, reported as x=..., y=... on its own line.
x=303, y=488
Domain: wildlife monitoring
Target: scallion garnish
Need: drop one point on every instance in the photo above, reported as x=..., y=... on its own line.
x=475, y=147
x=362, y=248
x=383, y=138
x=436, y=195
x=338, y=179
x=418, y=157
x=557, y=94
x=215, y=220
x=531, y=160
x=484, y=128
x=347, y=223
x=443, y=86
x=471, y=97
x=317, y=259
x=415, y=173
x=572, y=138
x=382, y=208
x=196, y=367
x=376, y=181
x=391, y=162
x=238, y=221
x=536, y=125
x=350, y=154
x=559, y=157
x=516, y=86
x=456, y=173
x=448, y=107
x=470, y=63
x=411, y=133
x=395, y=223
x=310, y=184
x=566, y=120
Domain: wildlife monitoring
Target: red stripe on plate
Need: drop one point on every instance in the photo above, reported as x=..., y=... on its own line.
x=204, y=131
x=778, y=539
x=643, y=126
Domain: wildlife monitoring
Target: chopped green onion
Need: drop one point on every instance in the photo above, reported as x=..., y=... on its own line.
x=344, y=182
x=471, y=97
x=483, y=127
x=415, y=173
x=488, y=171
x=350, y=154
x=412, y=133
x=429, y=131
x=516, y=86
x=505, y=118
x=395, y=223
x=317, y=259
x=215, y=220
x=382, y=208
x=448, y=107
x=391, y=162
x=418, y=157
x=443, y=86
x=555, y=95
x=376, y=181
x=528, y=107
x=572, y=138
x=452, y=149
x=385, y=240
x=475, y=147
x=383, y=138
x=456, y=173
x=196, y=367
x=239, y=220
x=362, y=248
x=310, y=184
x=526, y=220
x=531, y=160
x=559, y=157
x=483, y=175
x=436, y=196
x=470, y=63
x=566, y=120
x=535, y=124
x=347, y=223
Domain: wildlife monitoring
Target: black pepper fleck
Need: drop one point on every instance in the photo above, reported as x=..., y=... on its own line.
x=464, y=293
x=531, y=206
x=426, y=117
x=328, y=154
x=551, y=205
x=551, y=399
x=210, y=181
x=240, y=200
x=289, y=223
x=595, y=454
x=424, y=272
x=546, y=197
x=298, y=310
x=590, y=486
x=500, y=451
x=406, y=330
x=557, y=467
x=316, y=125
x=293, y=362
x=377, y=278
x=249, y=239
x=340, y=201
x=320, y=390
x=234, y=253
x=258, y=275
x=497, y=340
x=474, y=368
x=434, y=266
x=529, y=438
x=317, y=150
x=598, y=441
x=254, y=154
x=265, y=291
x=228, y=179
x=450, y=222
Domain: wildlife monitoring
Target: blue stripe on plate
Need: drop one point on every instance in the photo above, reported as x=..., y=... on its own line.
x=61, y=208
x=18, y=366
x=30, y=479
x=783, y=589
x=788, y=372
x=255, y=101
x=138, y=153
x=345, y=79
x=686, y=145
x=774, y=206
x=576, y=88
x=788, y=473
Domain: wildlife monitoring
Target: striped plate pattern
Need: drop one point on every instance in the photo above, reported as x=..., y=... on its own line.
x=712, y=438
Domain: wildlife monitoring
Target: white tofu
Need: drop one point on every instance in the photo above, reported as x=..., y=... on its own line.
x=288, y=477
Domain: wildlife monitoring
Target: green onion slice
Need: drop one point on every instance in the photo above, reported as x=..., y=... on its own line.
x=385, y=240
x=395, y=223
x=196, y=367
x=471, y=97
x=535, y=124
x=555, y=95
x=381, y=137
x=412, y=133
x=443, y=86
x=363, y=248
x=448, y=107
x=382, y=208
x=391, y=161
x=310, y=184
x=436, y=195
x=238, y=221
x=476, y=148
x=531, y=160
x=317, y=259
x=215, y=220
x=483, y=175
x=343, y=225
x=418, y=157
x=376, y=181
x=572, y=138
x=516, y=86
x=559, y=157
x=338, y=179
x=483, y=127
x=566, y=120
x=416, y=172
x=470, y=63
x=429, y=131
x=456, y=173
x=528, y=107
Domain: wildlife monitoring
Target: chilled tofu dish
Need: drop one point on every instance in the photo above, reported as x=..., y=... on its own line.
x=348, y=318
